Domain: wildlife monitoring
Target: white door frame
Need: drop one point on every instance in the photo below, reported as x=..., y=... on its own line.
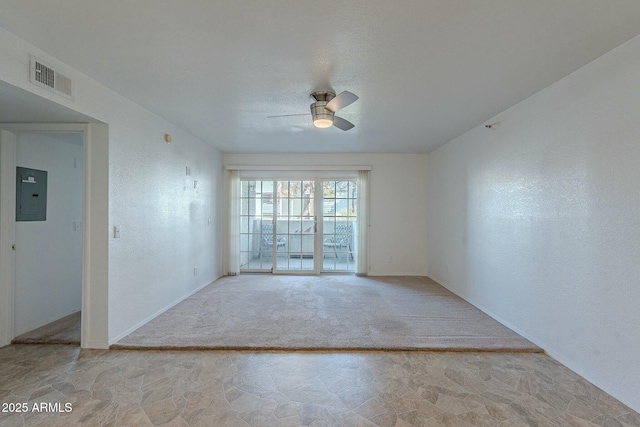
x=94, y=228
x=8, y=142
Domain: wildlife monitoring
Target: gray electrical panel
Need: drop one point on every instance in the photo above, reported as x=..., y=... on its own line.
x=31, y=195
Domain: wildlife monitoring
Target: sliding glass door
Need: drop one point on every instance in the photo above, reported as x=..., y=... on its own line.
x=339, y=209
x=298, y=225
x=257, y=243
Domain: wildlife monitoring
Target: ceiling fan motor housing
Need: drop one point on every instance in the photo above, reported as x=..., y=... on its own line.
x=322, y=117
x=327, y=103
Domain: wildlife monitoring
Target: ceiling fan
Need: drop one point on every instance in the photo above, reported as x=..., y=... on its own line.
x=324, y=108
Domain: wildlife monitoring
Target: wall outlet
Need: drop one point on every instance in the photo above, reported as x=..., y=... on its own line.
x=77, y=225
x=195, y=184
x=195, y=271
x=188, y=171
x=390, y=260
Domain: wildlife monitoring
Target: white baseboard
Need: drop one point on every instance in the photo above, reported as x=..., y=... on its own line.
x=156, y=314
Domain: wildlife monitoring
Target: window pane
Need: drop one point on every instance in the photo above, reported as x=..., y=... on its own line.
x=339, y=210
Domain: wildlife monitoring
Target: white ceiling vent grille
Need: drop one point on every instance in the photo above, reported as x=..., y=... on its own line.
x=47, y=77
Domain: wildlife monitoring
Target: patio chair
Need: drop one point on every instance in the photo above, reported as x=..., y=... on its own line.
x=340, y=241
x=266, y=244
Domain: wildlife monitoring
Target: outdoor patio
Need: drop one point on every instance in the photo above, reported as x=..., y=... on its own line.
x=330, y=263
x=293, y=245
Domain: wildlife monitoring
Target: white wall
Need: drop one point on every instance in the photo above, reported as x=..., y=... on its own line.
x=162, y=217
x=165, y=231
x=397, y=206
x=48, y=263
x=538, y=222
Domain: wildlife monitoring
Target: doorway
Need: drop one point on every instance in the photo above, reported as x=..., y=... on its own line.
x=48, y=245
x=298, y=226
x=94, y=331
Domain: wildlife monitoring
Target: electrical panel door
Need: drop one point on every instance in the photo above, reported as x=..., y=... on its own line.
x=31, y=194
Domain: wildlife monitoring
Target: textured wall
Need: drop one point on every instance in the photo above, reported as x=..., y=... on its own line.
x=168, y=227
x=537, y=222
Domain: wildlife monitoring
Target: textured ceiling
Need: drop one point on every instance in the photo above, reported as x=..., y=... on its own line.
x=426, y=71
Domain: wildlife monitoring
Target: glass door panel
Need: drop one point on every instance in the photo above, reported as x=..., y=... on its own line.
x=295, y=222
x=256, y=226
x=339, y=208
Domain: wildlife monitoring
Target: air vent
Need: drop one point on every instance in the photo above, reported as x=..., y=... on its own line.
x=47, y=77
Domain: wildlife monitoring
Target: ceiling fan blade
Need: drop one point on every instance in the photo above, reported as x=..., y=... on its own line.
x=341, y=100
x=288, y=115
x=342, y=124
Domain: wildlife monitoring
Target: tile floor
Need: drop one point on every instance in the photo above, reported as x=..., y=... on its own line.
x=226, y=388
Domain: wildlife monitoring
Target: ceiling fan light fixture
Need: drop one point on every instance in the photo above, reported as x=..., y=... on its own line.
x=322, y=123
x=322, y=118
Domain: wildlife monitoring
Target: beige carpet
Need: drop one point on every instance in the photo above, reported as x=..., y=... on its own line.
x=62, y=331
x=325, y=313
